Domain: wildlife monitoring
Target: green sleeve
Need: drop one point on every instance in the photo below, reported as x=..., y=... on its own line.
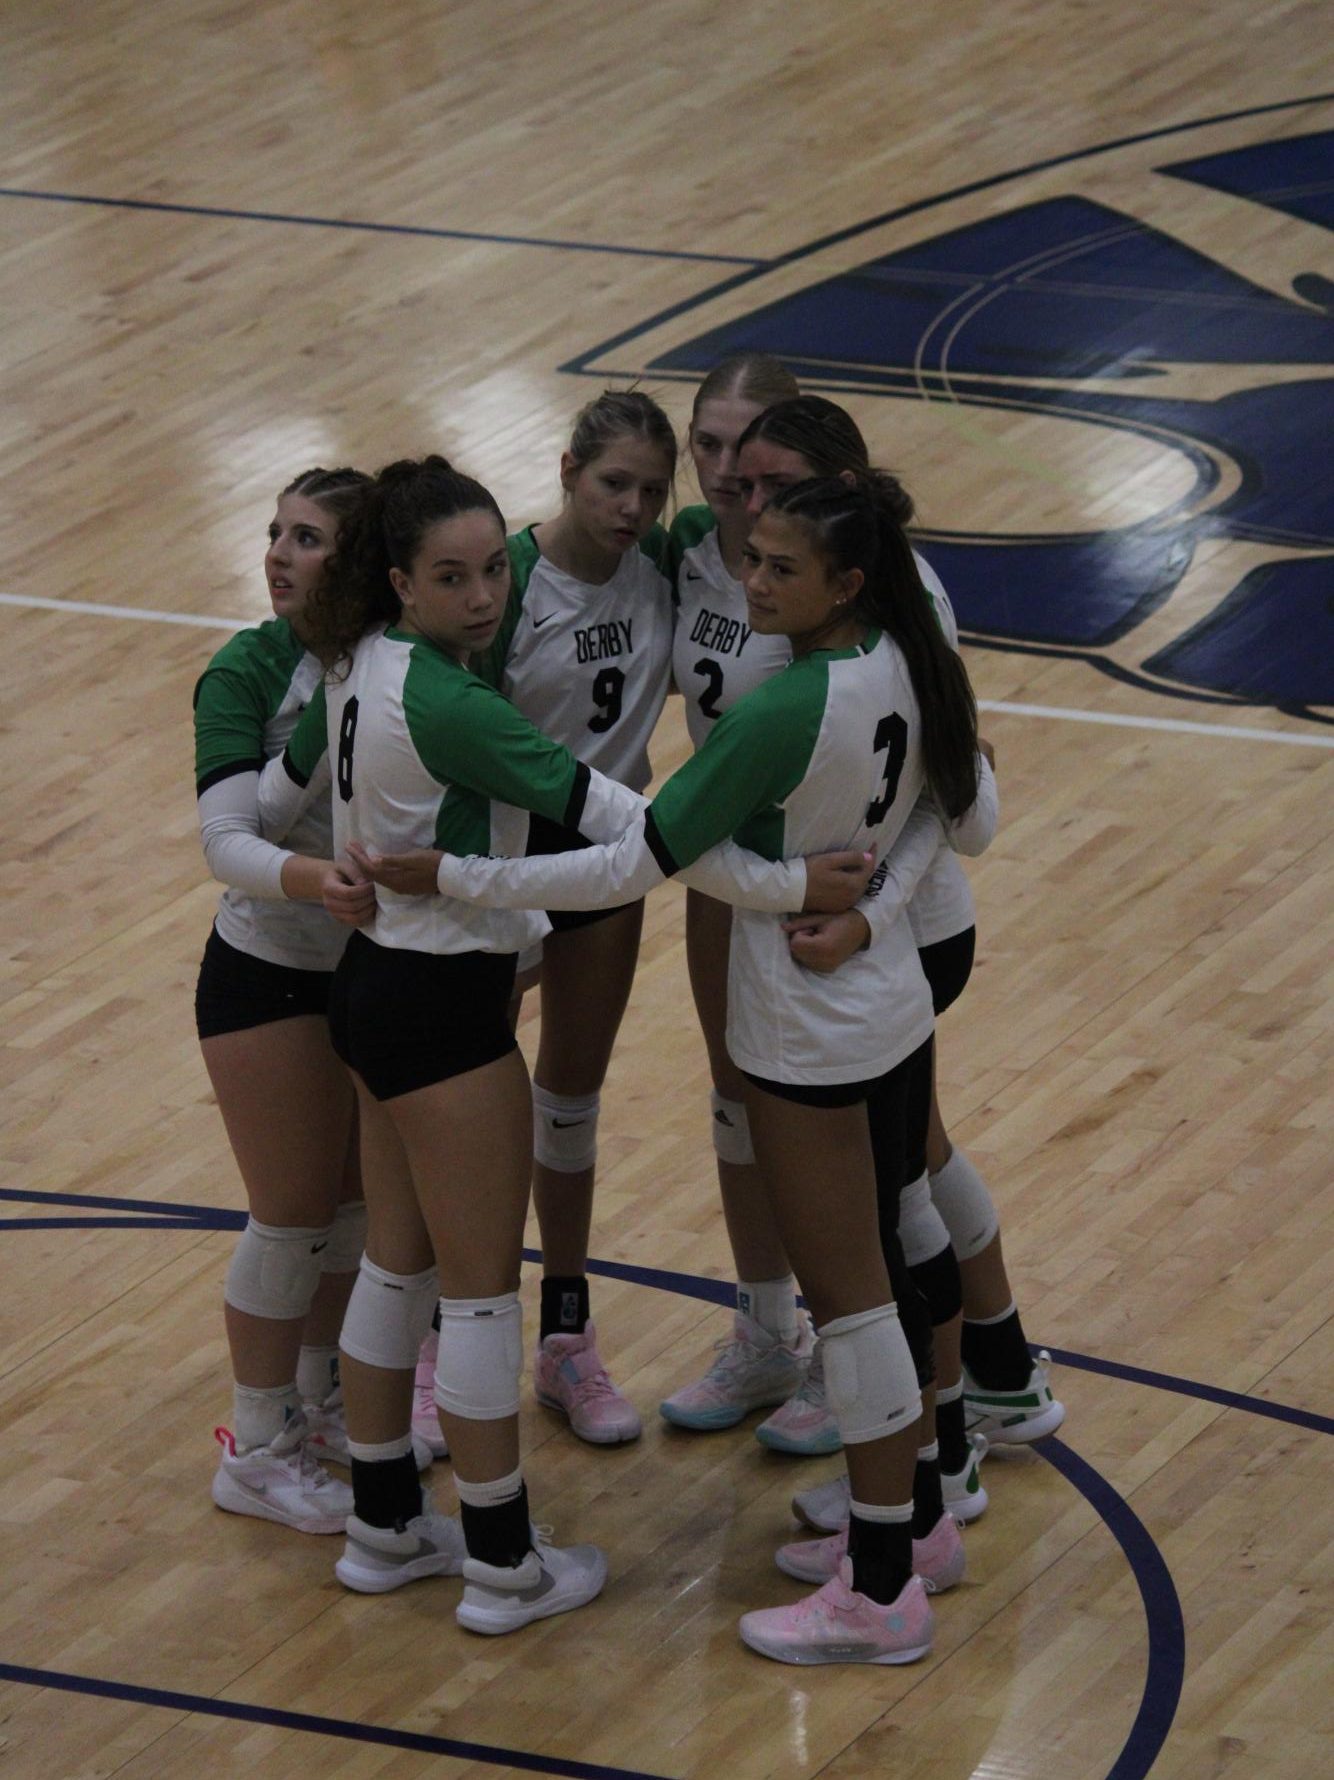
x=755, y=756
x=309, y=739
x=691, y=525
x=469, y=735
x=655, y=547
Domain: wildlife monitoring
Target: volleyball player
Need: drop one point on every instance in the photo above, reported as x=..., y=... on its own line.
x=261, y=1014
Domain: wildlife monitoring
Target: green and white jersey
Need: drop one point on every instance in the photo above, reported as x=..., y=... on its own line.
x=716, y=657
x=424, y=753
x=825, y=754
x=247, y=703
x=588, y=665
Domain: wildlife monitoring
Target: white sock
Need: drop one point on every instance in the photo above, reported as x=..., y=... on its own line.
x=261, y=1415
x=380, y=1452
x=317, y=1373
x=491, y=1494
x=772, y=1303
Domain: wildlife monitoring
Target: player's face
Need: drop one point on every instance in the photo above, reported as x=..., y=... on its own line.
x=618, y=498
x=764, y=469
x=791, y=591
x=713, y=437
x=455, y=591
x=301, y=540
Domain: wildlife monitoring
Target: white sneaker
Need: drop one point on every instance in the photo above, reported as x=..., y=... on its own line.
x=551, y=1579
x=1014, y=1418
x=825, y=1506
x=327, y=1438
x=964, y=1495
x=376, y=1559
x=282, y=1481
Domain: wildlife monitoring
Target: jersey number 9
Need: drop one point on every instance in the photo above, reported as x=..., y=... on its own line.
x=608, y=690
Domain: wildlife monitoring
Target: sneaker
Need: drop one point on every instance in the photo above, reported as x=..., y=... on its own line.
x=837, y=1625
x=825, y=1506
x=568, y=1375
x=1013, y=1418
x=282, y=1481
x=938, y=1559
x=376, y=1559
x=753, y=1370
x=327, y=1438
x=425, y=1420
x=551, y=1579
x=803, y=1425
x=963, y=1492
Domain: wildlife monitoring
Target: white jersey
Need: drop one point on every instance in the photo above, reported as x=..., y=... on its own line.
x=824, y=755
x=716, y=657
x=588, y=665
x=247, y=704
x=942, y=904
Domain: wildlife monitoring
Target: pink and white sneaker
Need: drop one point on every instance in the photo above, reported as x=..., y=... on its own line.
x=569, y=1375
x=825, y=1506
x=753, y=1370
x=837, y=1625
x=938, y=1559
x=425, y=1422
x=803, y=1425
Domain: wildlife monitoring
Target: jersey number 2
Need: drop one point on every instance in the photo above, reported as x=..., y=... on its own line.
x=892, y=733
x=708, y=699
x=608, y=689
x=347, y=735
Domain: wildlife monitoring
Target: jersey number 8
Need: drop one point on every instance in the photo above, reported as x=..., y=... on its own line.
x=347, y=735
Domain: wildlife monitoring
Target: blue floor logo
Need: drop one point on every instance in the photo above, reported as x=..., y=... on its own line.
x=1072, y=308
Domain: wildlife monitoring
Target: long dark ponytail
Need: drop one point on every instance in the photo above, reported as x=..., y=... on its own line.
x=384, y=530
x=855, y=525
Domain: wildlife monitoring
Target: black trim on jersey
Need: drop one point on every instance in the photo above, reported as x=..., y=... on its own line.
x=574, y=809
x=219, y=773
x=656, y=845
x=301, y=779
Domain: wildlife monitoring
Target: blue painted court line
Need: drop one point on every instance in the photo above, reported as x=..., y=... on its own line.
x=579, y=366
x=322, y=1727
x=1188, y=1387
x=1166, y=1665
x=377, y=228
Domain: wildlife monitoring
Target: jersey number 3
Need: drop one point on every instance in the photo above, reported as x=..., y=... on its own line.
x=347, y=735
x=891, y=733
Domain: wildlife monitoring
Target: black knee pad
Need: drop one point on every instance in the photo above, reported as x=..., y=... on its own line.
x=914, y=1315
x=939, y=1282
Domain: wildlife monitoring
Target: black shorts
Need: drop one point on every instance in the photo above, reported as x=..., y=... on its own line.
x=947, y=966
x=405, y=1020
x=236, y=991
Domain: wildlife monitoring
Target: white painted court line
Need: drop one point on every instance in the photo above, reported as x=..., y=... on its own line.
x=142, y=613
x=1174, y=725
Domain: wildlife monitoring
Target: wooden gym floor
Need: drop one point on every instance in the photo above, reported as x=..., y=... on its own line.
x=241, y=240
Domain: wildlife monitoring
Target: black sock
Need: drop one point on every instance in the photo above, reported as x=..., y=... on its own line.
x=996, y=1354
x=927, y=1502
x=386, y=1492
x=435, y=1317
x=881, y=1553
x=564, y=1305
x=950, y=1436
x=499, y=1536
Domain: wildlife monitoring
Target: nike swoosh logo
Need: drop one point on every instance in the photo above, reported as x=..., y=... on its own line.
x=692, y=576
x=315, y=1247
x=539, y=622
x=566, y=1124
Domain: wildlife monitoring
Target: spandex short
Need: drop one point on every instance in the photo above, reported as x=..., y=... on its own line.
x=405, y=1020
x=236, y=991
x=947, y=966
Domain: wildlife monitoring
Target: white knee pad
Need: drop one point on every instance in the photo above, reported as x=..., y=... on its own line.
x=388, y=1315
x=731, y=1130
x=273, y=1272
x=870, y=1379
x=921, y=1228
x=565, y=1130
x=480, y=1357
x=347, y=1239
x=961, y=1197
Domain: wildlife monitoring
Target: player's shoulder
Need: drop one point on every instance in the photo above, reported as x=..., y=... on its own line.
x=691, y=526
x=258, y=659
x=524, y=554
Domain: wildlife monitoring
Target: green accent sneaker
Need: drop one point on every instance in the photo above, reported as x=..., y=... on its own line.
x=1013, y=1418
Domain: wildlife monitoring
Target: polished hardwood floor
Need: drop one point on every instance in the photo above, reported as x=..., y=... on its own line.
x=240, y=240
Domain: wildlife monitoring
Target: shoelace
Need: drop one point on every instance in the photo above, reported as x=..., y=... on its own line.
x=595, y=1384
